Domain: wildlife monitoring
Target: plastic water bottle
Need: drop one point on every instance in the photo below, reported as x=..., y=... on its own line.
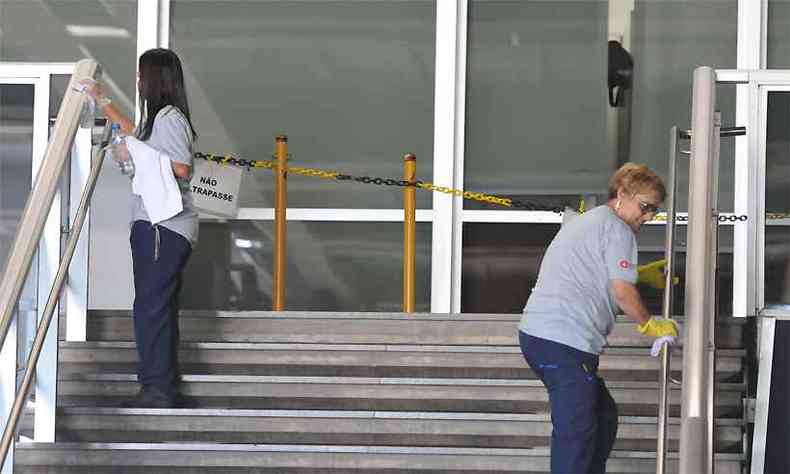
x=126, y=165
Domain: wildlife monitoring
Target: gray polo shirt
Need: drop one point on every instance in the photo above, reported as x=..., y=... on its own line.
x=171, y=135
x=572, y=303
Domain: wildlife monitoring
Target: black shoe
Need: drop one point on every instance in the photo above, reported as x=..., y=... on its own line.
x=149, y=397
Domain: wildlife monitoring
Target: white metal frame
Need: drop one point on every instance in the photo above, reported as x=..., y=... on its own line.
x=450, y=69
x=749, y=285
x=39, y=75
x=760, y=84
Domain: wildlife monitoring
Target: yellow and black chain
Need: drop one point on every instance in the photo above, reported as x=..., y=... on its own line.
x=480, y=197
x=334, y=175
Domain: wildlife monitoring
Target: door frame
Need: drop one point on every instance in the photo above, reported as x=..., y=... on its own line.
x=749, y=249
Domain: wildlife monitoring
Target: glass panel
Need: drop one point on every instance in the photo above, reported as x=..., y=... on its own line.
x=535, y=108
x=329, y=269
x=778, y=55
x=349, y=82
x=66, y=31
x=501, y=263
x=16, y=157
x=16, y=152
x=538, y=118
x=777, y=199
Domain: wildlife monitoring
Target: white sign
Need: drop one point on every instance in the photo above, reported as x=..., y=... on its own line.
x=215, y=188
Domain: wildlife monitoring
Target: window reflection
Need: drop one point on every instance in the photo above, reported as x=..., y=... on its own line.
x=349, y=82
x=501, y=264
x=331, y=266
x=538, y=118
x=16, y=151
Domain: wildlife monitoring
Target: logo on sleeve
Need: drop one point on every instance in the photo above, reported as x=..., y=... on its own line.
x=625, y=264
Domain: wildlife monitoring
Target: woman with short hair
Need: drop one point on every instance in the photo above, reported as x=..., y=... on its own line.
x=588, y=271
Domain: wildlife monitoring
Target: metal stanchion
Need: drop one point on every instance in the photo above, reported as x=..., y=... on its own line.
x=409, y=224
x=669, y=253
x=700, y=267
x=280, y=231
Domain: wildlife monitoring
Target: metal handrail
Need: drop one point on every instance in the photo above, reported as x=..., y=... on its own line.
x=31, y=227
x=696, y=411
x=669, y=255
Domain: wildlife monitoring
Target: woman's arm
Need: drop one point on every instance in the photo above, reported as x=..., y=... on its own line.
x=181, y=170
x=175, y=139
x=114, y=115
x=94, y=89
x=627, y=298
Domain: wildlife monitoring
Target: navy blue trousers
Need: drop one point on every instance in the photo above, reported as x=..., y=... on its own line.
x=157, y=281
x=583, y=413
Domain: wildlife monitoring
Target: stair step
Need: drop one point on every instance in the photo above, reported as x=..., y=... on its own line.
x=363, y=328
x=361, y=393
x=330, y=427
x=166, y=458
x=369, y=360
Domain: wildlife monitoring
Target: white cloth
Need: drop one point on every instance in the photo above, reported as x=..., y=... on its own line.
x=154, y=181
x=659, y=343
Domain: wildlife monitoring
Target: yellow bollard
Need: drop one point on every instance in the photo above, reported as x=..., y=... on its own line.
x=409, y=224
x=280, y=231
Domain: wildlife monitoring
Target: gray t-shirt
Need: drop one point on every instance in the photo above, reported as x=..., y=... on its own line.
x=572, y=303
x=171, y=135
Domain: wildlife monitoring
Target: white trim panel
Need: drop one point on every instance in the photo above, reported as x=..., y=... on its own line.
x=327, y=215
x=77, y=284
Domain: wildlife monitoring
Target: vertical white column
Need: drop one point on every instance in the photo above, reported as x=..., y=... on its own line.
x=76, y=290
x=164, y=24
x=751, y=55
x=449, y=104
x=49, y=259
x=153, y=30
x=700, y=258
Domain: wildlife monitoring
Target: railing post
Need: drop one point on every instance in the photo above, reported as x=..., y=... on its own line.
x=669, y=254
x=280, y=230
x=696, y=409
x=409, y=225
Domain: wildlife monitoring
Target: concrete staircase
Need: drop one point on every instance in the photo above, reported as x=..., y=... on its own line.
x=352, y=392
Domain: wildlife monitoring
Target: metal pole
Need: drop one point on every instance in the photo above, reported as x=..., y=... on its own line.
x=669, y=254
x=700, y=309
x=52, y=301
x=36, y=210
x=280, y=230
x=713, y=283
x=409, y=224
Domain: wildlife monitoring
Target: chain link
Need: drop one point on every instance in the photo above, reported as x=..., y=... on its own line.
x=469, y=195
x=334, y=175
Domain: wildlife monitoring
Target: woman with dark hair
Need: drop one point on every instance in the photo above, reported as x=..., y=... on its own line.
x=159, y=251
x=588, y=271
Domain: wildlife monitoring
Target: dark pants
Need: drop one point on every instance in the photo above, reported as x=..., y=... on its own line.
x=583, y=413
x=157, y=281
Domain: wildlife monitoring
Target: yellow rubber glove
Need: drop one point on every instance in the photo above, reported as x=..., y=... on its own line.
x=653, y=274
x=658, y=327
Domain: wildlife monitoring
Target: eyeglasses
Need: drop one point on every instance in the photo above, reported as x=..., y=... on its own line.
x=646, y=207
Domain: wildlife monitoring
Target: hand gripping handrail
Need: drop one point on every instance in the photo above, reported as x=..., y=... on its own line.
x=31, y=227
